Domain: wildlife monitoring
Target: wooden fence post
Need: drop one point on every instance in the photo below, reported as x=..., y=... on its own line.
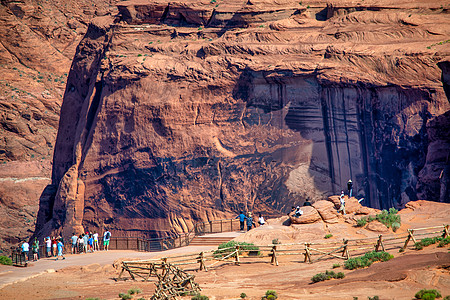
x=446, y=233
x=410, y=236
x=379, y=243
x=202, y=262
x=345, y=251
x=237, y=255
x=307, y=253
x=274, y=255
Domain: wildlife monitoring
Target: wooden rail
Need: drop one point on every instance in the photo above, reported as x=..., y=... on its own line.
x=344, y=249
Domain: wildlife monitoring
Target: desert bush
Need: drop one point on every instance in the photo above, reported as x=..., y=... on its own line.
x=232, y=244
x=367, y=259
x=134, y=291
x=125, y=296
x=361, y=222
x=336, y=266
x=446, y=298
x=388, y=218
x=5, y=260
x=275, y=242
x=200, y=297
x=328, y=236
x=243, y=295
x=425, y=242
x=270, y=295
x=374, y=298
x=326, y=276
x=428, y=294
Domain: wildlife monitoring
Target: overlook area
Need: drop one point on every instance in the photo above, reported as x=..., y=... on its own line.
x=175, y=112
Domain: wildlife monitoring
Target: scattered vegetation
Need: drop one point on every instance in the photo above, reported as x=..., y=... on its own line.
x=327, y=276
x=367, y=259
x=440, y=43
x=129, y=294
x=200, y=297
x=243, y=295
x=336, y=266
x=389, y=218
x=428, y=294
x=374, y=298
x=430, y=241
x=276, y=242
x=361, y=222
x=270, y=295
x=328, y=236
x=231, y=245
x=5, y=260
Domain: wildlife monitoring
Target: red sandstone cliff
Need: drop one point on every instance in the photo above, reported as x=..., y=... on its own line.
x=179, y=111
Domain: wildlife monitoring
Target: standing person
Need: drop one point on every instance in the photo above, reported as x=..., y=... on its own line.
x=54, y=244
x=307, y=202
x=85, y=242
x=74, y=240
x=60, y=247
x=35, y=249
x=80, y=244
x=350, y=188
x=106, y=238
x=48, y=244
x=26, y=250
x=242, y=218
x=342, y=207
x=261, y=220
x=249, y=221
x=91, y=243
x=95, y=236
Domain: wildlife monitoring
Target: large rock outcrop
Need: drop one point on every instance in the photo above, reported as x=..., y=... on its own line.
x=176, y=112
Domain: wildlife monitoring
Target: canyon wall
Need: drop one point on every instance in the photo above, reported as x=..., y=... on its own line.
x=177, y=112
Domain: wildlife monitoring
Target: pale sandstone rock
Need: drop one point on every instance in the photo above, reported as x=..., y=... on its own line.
x=327, y=211
x=376, y=226
x=310, y=215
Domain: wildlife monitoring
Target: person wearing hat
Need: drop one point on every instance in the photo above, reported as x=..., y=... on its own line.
x=350, y=188
x=249, y=221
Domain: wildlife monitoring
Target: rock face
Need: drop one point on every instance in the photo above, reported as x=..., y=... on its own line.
x=38, y=42
x=177, y=112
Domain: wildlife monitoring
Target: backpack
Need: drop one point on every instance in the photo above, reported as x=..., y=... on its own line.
x=108, y=235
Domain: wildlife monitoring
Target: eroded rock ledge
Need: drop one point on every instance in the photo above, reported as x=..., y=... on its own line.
x=176, y=112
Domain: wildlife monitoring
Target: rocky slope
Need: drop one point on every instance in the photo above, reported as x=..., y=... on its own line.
x=180, y=111
x=38, y=40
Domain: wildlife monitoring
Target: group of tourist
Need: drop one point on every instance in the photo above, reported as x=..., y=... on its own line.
x=249, y=220
x=54, y=246
x=89, y=242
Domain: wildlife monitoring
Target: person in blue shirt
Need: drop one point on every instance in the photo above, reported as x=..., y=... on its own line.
x=60, y=247
x=242, y=218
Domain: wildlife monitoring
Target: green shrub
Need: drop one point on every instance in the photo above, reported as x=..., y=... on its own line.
x=388, y=218
x=373, y=298
x=446, y=298
x=361, y=222
x=430, y=241
x=5, y=260
x=134, y=291
x=270, y=295
x=367, y=259
x=200, y=297
x=326, y=276
x=428, y=294
x=125, y=296
x=444, y=241
x=336, y=266
x=243, y=295
x=275, y=242
x=232, y=244
x=328, y=236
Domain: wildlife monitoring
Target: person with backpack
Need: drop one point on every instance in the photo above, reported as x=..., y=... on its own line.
x=250, y=222
x=60, y=247
x=106, y=238
x=350, y=188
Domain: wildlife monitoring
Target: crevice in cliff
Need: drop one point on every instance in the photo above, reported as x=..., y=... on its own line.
x=221, y=196
x=326, y=131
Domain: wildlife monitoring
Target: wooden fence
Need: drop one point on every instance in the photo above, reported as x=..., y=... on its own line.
x=309, y=252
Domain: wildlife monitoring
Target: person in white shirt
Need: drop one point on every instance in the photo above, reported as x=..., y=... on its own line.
x=95, y=236
x=342, y=207
x=25, y=250
x=261, y=220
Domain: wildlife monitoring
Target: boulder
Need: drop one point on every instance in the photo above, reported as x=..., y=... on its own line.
x=376, y=227
x=327, y=211
x=310, y=215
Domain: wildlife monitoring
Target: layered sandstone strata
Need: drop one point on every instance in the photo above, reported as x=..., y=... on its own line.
x=178, y=111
